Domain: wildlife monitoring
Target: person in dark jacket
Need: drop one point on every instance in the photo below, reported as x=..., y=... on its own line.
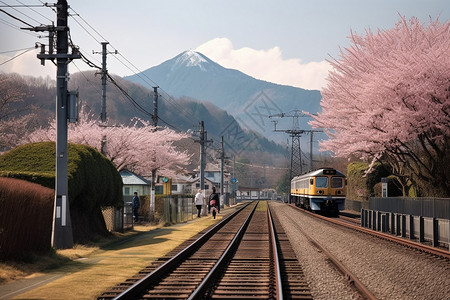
x=213, y=202
x=135, y=207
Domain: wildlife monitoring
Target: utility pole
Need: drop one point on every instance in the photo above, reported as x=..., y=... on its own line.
x=155, y=124
x=62, y=237
x=104, y=74
x=202, y=162
x=203, y=143
x=155, y=106
x=222, y=157
x=222, y=162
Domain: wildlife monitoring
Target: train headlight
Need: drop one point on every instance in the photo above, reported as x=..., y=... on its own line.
x=319, y=192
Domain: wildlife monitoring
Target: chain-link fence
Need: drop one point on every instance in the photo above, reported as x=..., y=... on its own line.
x=118, y=219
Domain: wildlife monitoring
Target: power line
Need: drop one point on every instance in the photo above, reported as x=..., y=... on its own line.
x=15, y=18
x=258, y=166
x=135, y=71
x=168, y=99
x=20, y=12
x=10, y=51
x=30, y=7
x=13, y=26
x=1, y=64
x=78, y=15
x=84, y=27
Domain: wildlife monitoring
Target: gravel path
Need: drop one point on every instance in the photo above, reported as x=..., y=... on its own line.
x=389, y=271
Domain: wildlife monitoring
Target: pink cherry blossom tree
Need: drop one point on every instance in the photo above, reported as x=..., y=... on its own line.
x=388, y=99
x=139, y=147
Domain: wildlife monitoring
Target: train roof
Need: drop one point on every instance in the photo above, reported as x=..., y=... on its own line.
x=320, y=172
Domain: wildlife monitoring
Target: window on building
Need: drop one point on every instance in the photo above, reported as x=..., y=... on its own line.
x=174, y=187
x=127, y=191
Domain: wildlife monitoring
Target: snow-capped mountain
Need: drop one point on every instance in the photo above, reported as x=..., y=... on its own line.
x=249, y=100
x=191, y=59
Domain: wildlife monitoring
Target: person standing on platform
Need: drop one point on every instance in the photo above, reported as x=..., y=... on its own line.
x=198, y=201
x=135, y=207
x=213, y=201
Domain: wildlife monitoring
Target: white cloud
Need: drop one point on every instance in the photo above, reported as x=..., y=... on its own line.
x=27, y=64
x=267, y=65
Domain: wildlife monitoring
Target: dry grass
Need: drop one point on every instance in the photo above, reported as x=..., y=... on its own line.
x=91, y=270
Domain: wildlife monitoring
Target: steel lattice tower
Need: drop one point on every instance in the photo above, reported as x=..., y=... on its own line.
x=295, y=133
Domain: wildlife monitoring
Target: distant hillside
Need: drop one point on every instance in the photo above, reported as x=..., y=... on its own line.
x=249, y=100
x=183, y=114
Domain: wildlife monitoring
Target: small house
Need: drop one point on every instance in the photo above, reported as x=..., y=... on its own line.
x=134, y=183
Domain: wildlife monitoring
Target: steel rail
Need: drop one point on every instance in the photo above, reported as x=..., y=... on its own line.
x=134, y=290
x=199, y=292
x=275, y=251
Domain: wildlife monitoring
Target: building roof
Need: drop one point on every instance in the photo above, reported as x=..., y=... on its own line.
x=130, y=178
x=209, y=167
x=206, y=179
x=179, y=178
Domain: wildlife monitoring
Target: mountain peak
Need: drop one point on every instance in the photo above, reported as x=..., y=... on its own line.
x=191, y=58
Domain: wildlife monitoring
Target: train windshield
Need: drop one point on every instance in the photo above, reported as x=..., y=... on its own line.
x=321, y=182
x=337, y=182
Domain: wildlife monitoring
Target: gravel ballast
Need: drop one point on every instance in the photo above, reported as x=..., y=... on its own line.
x=390, y=271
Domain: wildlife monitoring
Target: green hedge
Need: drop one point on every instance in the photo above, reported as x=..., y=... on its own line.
x=361, y=187
x=89, y=172
x=93, y=181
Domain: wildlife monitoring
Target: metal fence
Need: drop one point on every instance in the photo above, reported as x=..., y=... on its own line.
x=178, y=210
x=128, y=216
x=356, y=205
x=426, y=207
x=118, y=219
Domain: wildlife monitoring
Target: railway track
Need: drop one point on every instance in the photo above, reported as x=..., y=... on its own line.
x=239, y=258
x=350, y=220
x=388, y=270
x=350, y=223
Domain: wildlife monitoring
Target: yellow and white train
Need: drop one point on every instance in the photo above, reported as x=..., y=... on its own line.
x=321, y=190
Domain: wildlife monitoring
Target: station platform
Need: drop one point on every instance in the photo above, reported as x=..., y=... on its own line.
x=88, y=276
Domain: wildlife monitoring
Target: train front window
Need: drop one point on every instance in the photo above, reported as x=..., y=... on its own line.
x=321, y=182
x=336, y=182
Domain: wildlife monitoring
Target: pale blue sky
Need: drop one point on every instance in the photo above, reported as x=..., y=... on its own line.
x=148, y=32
